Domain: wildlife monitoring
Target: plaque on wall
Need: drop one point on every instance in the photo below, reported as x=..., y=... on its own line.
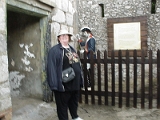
x=127, y=36
x=128, y=33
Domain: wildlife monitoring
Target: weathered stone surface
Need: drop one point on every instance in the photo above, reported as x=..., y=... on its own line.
x=59, y=16
x=65, y=6
x=3, y=44
x=69, y=19
x=55, y=27
x=3, y=68
x=5, y=101
x=58, y=4
x=2, y=16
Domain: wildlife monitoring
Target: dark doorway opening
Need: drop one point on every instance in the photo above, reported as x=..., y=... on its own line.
x=24, y=54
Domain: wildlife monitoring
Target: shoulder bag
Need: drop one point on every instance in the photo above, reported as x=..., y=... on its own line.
x=68, y=75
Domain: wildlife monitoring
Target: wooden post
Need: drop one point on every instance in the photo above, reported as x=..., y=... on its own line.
x=142, y=79
x=158, y=79
x=127, y=80
x=120, y=77
x=106, y=76
x=150, y=80
x=135, y=80
x=113, y=77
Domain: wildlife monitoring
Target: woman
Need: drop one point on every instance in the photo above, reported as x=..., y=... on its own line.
x=60, y=57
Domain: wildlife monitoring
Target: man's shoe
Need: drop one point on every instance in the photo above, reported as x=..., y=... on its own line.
x=89, y=88
x=78, y=118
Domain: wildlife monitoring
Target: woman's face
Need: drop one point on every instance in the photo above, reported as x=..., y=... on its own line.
x=64, y=38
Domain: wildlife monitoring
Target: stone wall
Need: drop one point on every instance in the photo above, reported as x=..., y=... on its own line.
x=63, y=17
x=5, y=98
x=90, y=14
x=59, y=13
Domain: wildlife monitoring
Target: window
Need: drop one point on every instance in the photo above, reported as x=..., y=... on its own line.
x=153, y=6
x=102, y=9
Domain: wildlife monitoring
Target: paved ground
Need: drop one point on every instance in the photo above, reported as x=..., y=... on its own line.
x=33, y=109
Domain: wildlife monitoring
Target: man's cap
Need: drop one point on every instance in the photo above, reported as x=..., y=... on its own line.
x=83, y=29
x=63, y=32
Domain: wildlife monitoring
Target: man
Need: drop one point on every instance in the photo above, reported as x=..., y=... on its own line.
x=89, y=45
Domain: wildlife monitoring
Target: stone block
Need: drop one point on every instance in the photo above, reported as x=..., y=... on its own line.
x=3, y=68
x=69, y=19
x=5, y=90
x=5, y=103
x=58, y=16
x=65, y=5
x=3, y=44
x=58, y=4
x=71, y=9
x=2, y=19
x=55, y=27
x=64, y=27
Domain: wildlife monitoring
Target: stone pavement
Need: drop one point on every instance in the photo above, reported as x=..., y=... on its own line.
x=33, y=109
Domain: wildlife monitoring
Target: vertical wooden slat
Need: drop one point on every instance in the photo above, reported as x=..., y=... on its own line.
x=150, y=79
x=99, y=77
x=142, y=79
x=120, y=77
x=113, y=77
x=85, y=77
x=80, y=93
x=106, y=76
x=135, y=80
x=92, y=78
x=127, y=80
x=158, y=79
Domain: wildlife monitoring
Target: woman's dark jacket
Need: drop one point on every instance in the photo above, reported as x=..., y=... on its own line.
x=54, y=68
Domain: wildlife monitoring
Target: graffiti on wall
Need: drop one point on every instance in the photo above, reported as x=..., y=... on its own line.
x=27, y=54
x=16, y=76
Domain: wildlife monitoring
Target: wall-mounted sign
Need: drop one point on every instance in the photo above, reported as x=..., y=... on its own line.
x=127, y=36
x=128, y=33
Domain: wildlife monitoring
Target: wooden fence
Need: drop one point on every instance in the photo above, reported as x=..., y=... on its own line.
x=101, y=93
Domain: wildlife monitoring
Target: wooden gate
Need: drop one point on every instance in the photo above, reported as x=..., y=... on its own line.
x=142, y=89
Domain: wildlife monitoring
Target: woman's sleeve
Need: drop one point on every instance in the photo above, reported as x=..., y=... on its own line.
x=51, y=70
